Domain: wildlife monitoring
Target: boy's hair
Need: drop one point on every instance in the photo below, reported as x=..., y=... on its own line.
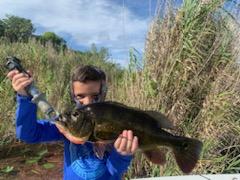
x=84, y=73
x=88, y=73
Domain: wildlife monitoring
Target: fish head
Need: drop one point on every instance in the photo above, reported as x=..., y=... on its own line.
x=76, y=123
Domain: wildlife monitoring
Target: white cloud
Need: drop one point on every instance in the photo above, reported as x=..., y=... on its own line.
x=102, y=22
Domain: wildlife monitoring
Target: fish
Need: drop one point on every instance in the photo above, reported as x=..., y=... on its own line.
x=105, y=121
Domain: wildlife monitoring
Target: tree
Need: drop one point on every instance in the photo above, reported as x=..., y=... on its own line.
x=51, y=37
x=17, y=29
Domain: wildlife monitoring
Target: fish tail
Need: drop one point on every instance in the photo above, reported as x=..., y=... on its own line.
x=187, y=154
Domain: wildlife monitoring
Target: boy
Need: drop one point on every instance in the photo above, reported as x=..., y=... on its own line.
x=80, y=162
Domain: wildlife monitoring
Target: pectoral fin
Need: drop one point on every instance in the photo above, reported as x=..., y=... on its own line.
x=100, y=147
x=156, y=156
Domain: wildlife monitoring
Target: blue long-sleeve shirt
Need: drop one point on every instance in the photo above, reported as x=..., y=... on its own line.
x=80, y=162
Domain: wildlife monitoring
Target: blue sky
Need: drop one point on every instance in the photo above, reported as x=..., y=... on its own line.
x=115, y=24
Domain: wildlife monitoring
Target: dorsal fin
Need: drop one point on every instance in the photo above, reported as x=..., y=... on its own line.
x=162, y=119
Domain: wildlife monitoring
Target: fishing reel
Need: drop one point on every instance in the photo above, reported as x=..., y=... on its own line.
x=37, y=96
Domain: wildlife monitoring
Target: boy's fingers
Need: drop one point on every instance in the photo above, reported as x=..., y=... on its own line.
x=18, y=76
x=23, y=84
x=123, y=144
x=134, y=145
x=12, y=73
x=130, y=135
x=22, y=80
x=129, y=141
x=29, y=72
x=117, y=143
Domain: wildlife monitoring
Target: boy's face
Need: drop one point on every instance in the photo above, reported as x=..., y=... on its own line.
x=86, y=93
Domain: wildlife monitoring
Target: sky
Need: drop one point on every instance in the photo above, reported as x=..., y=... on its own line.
x=115, y=24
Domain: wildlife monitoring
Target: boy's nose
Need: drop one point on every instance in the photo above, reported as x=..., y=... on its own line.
x=87, y=100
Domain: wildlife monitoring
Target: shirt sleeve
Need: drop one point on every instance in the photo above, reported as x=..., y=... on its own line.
x=28, y=128
x=117, y=163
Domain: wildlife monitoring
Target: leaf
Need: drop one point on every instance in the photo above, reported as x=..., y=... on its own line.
x=48, y=165
x=43, y=152
x=36, y=172
x=33, y=160
x=8, y=169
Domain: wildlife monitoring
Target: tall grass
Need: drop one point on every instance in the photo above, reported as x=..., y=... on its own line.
x=191, y=74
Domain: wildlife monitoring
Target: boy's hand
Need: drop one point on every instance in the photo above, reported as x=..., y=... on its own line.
x=19, y=81
x=126, y=144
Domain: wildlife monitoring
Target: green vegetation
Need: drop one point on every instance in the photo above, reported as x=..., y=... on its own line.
x=55, y=40
x=14, y=28
x=190, y=73
x=17, y=29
